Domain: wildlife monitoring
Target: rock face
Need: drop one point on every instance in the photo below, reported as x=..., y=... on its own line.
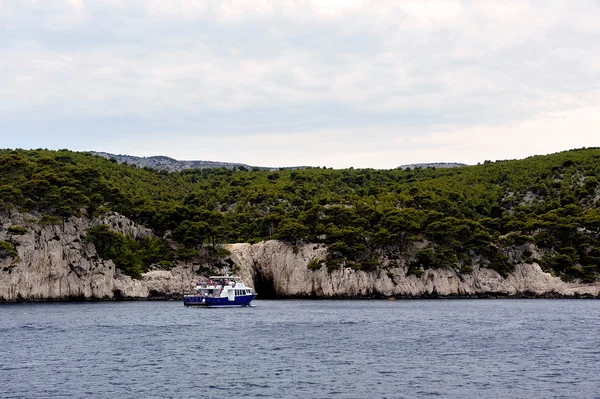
x=278, y=270
x=55, y=263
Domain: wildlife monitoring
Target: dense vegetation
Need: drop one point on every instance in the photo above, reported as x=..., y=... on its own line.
x=364, y=216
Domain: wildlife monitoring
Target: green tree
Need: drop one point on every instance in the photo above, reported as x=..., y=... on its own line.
x=291, y=232
x=191, y=234
x=9, y=198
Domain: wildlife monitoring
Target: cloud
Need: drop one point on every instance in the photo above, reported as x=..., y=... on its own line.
x=380, y=147
x=291, y=71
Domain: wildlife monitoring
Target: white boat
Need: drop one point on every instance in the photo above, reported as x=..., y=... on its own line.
x=220, y=291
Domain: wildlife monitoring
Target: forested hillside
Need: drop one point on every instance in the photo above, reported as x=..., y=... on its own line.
x=367, y=218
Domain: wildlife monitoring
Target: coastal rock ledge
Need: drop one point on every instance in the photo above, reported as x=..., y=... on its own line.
x=56, y=263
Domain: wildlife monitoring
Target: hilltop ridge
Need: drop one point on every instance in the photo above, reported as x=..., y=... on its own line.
x=445, y=165
x=161, y=162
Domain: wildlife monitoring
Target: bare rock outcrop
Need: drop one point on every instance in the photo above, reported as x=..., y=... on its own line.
x=55, y=262
x=282, y=271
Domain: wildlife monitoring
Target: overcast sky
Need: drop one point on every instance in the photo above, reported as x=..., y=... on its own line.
x=335, y=83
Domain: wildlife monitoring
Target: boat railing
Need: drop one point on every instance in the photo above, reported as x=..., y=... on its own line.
x=198, y=293
x=216, y=283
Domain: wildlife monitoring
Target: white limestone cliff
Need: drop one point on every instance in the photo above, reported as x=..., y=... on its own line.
x=285, y=270
x=55, y=263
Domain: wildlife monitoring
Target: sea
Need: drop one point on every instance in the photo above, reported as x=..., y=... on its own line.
x=465, y=348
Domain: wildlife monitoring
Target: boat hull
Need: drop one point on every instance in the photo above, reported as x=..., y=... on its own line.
x=220, y=302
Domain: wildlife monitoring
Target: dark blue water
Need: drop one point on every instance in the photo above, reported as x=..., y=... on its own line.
x=302, y=349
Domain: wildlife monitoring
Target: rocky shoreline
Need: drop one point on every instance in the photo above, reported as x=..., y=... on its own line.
x=177, y=298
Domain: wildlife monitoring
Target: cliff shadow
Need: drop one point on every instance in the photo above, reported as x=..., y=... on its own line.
x=263, y=284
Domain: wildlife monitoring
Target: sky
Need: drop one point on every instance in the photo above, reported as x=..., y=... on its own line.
x=336, y=83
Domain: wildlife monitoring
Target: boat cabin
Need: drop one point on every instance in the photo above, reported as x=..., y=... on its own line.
x=217, y=286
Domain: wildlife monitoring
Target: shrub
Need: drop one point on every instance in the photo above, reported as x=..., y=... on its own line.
x=184, y=253
x=166, y=264
x=17, y=230
x=48, y=220
x=7, y=250
x=500, y=263
x=559, y=263
x=369, y=265
x=466, y=269
x=544, y=240
x=518, y=239
x=415, y=271
x=353, y=265
x=314, y=264
x=425, y=258
x=334, y=264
